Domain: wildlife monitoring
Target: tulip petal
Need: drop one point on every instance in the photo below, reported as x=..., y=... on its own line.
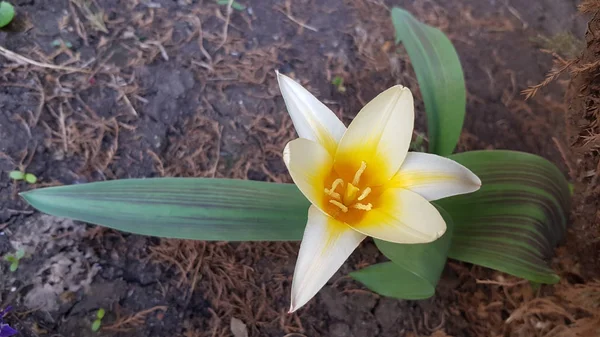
x=312, y=119
x=434, y=177
x=326, y=244
x=402, y=216
x=309, y=163
x=379, y=136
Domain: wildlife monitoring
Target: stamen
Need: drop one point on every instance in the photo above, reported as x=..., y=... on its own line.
x=339, y=204
x=364, y=193
x=333, y=194
x=362, y=207
x=336, y=183
x=361, y=170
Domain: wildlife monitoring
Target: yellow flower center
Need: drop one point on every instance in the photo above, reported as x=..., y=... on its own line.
x=346, y=201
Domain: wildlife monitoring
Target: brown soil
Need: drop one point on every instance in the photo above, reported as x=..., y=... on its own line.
x=187, y=88
x=583, y=128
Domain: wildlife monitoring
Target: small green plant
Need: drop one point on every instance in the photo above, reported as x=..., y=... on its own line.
x=338, y=82
x=20, y=175
x=7, y=13
x=14, y=259
x=234, y=4
x=98, y=322
x=58, y=42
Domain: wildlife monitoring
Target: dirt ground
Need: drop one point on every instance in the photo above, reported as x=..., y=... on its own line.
x=123, y=89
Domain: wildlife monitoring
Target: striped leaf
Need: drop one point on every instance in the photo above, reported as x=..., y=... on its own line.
x=414, y=270
x=440, y=77
x=514, y=222
x=184, y=208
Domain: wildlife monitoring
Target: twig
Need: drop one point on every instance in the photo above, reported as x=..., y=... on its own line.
x=516, y=14
x=226, y=27
x=413, y=325
x=561, y=150
x=40, y=107
x=213, y=170
x=22, y=59
x=163, y=51
x=63, y=127
x=288, y=13
x=500, y=283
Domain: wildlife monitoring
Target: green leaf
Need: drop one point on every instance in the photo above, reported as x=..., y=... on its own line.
x=100, y=314
x=234, y=4
x=96, y=325
x=516, y=219
x=10, y=258
x=30, y=178
x=16, y=175
x=185, y=208
x=7, y=13
x=389, y=279
x=415, y=268
x=14, y=266
x=440, y=77
x=19, y=254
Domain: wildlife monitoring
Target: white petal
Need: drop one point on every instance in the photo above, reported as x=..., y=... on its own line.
x=312, y=119
x=379, y=135
x=434, y=177
x=402, y=216
x=309, y=164
x=326, y=244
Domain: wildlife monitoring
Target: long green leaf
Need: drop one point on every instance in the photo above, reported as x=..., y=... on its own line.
x=415, y=269
x=514, y=222
x=440, y=77
x=186, y=208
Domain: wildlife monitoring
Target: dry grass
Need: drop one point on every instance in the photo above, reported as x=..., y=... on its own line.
x=225, y=275
x=130, y=322
x=574, y=310
x=589, y=6
x=560, y=67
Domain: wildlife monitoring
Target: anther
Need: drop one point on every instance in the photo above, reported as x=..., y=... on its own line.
x=361, y=170
x=364, y=193
x=333, y=194
x=339, y=204
x=336, y=183
x=362, y=207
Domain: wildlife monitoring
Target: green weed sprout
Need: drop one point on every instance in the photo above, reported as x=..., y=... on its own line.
x=58, y=42
x=16, y=175
x=338, y=82
x=20, y=175
x=14, y=259
x=234, y=4
x=98, y=322
x=7, y=13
